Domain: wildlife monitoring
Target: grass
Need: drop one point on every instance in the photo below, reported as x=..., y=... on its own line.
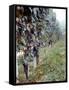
x=52, y=66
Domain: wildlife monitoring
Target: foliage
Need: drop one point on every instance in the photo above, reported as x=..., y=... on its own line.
x=51, y=66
